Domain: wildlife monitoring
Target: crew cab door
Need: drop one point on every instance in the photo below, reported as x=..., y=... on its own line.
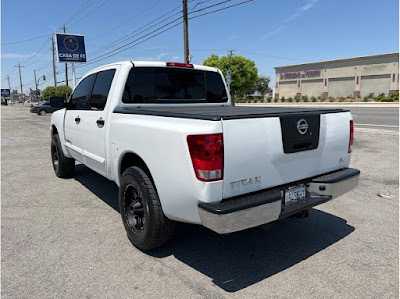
x=73, y=122
x=95, y=119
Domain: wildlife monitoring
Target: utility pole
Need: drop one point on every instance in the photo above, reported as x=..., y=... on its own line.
x=34, y=74
x=66, y=66
x=8, y=79
x=20, y=78
x=36, y=85
x=229, y=85
x=54, y=62
x=185, y=31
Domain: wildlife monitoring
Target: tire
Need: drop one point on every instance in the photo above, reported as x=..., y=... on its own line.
x=63, y=167
x=42, y=112
x=144, y=221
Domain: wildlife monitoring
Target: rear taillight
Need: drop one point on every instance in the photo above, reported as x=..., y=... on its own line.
x=33, y=106
x=178, y=64
x=351, y=139
x=207, y=153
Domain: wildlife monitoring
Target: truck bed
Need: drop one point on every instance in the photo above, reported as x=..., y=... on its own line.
x=216, y=113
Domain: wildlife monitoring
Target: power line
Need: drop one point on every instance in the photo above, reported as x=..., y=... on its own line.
x=169, y=28
x=127, y=37
x=80, y=10
x=207, y=7
x=25, y=40
x=84, y=17
x=132, y=43
x=125, y=45
x=220, y=9
x=132, y=18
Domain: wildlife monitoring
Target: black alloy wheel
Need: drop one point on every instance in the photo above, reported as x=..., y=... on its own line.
x=133, y=209
x=54, y=157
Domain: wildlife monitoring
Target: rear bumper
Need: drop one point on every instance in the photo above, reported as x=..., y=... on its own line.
x=258, y=208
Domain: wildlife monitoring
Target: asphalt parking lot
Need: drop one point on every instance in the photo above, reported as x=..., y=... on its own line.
x=65, y=239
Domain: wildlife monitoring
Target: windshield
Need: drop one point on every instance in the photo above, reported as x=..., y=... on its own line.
x=173, y=85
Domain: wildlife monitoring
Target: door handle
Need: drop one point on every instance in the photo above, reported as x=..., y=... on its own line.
x=100, y=122
x=78, y=119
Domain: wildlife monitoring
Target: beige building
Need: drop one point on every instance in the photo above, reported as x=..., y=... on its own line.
x=356, y=77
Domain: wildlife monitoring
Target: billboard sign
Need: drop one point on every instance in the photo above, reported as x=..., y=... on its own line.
x=5, y=93
x=71, y=48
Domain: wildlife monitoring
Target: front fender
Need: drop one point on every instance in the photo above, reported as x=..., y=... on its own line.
x=57, y=122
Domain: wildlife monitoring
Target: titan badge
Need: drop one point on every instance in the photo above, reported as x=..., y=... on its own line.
x=245, y=182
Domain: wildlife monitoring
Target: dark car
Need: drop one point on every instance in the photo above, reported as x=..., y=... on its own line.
x=43, y=107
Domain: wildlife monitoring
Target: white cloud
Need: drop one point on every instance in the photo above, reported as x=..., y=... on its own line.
x=15, y=55
x=310, y=4
x=175, y=57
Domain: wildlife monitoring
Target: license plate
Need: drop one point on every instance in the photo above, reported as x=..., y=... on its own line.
x=295, y=193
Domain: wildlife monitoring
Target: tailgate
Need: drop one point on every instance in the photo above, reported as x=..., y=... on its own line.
x=264, y=152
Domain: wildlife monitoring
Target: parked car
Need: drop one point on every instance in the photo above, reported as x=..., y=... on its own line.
x=168, y=136
x=43, y=107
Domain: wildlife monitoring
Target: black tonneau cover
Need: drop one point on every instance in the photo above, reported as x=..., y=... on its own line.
x=217, y=113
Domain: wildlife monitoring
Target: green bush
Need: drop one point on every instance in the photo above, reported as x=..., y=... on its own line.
x=297, y=99
x=381, y=97
x=331, y=99
x=319, y=98
x=269, y=99
x=283, y=99
x=290, y=99
x=313, y=99
x=304, y=98
x=395, y=96
x=366, y=99
x=342, y=99
x=371, y=95
x=276, y=100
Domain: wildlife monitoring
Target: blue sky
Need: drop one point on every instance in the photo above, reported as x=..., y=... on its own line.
x=272, y=33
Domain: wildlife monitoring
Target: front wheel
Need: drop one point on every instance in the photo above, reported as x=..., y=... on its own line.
x=42, y=112
x=63, y=167
x=141, y=212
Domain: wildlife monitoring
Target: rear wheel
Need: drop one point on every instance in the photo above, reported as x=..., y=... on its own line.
x=63, y=167
x=42, y=112
x=141, y=212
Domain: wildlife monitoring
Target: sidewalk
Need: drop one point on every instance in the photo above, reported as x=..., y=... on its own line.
x=326, y=104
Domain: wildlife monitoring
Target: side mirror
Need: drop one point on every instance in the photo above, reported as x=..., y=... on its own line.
x=57, y=102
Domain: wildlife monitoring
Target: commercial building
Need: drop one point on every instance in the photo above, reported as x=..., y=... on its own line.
x=355, y=77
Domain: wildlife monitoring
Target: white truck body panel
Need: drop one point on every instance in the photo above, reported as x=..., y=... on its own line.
x=252, y=148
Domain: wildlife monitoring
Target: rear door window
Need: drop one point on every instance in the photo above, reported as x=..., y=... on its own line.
x=81, y=92
x=216, y=92
x=101, y=89
x=173, y=85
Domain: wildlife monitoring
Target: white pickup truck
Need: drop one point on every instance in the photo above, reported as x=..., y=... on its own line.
x=168, y=136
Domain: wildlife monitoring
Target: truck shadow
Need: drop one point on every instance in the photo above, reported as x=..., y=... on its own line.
x=238, y=260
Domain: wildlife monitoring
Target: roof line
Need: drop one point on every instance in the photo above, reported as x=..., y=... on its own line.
x=336, y=60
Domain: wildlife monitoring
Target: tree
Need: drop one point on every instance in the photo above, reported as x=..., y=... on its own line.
x=63, y=91
x=59, y=91
x=48, y=92
x=14, y=94
x=262, y=85
x=243, y=71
